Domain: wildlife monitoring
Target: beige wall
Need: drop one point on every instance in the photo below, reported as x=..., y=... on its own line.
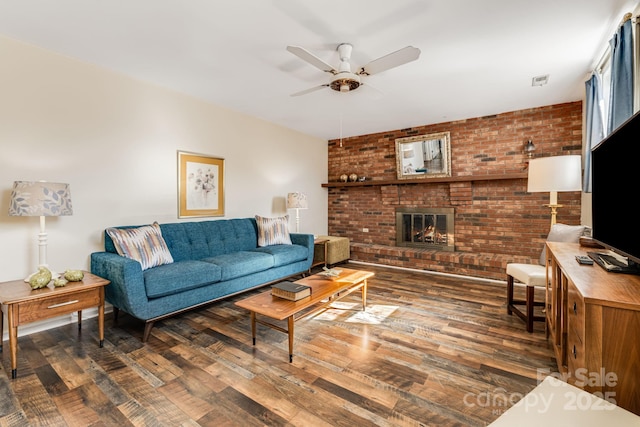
x=114, y=139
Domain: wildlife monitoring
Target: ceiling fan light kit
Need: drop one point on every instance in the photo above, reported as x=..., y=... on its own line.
x=343, y=80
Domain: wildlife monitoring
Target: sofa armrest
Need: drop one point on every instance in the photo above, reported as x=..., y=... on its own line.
x=304, y=240
x=126, y=290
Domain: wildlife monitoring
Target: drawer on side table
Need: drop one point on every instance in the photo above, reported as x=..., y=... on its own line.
x=45, y=308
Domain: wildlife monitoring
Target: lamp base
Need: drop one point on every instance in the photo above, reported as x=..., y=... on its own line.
x=554, y=211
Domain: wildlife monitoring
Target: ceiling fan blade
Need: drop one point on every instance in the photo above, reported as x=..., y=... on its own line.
x=391, y=60
x=306, y=91
x=371, y=91
x=309, y=57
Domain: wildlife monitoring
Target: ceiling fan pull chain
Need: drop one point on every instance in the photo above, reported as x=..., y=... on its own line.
x=340, y=129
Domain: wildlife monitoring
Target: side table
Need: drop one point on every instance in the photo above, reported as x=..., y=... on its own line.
x=320, y=242
x=330, y=250
x=25, y=305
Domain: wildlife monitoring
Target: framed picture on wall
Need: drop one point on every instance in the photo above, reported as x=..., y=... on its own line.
x=200, y=185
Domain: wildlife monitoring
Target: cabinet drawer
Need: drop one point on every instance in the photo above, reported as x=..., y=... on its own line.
x=575, y=312
x=550, y=307
x=30, y=311
x=575, y=354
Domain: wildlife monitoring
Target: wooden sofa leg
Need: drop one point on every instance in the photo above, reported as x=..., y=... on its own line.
x=147, y=330
x=116, y=311
x=509, y=294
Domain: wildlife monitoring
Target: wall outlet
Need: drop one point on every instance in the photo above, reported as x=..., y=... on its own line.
x=365, y=230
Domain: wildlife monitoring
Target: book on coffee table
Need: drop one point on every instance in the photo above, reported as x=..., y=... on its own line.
x=291, y=291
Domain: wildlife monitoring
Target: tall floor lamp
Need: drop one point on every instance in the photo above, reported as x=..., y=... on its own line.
x=40, y=198
x=297, y=201
x=554, y=174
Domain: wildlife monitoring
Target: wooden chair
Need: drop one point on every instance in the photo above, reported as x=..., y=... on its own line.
x=534, y=276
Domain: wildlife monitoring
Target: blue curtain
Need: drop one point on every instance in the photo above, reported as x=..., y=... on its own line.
x=594, y=132
x=621, y=103
x=621, y=96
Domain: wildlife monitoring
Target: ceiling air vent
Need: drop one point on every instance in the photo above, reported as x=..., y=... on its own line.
x=540, y=80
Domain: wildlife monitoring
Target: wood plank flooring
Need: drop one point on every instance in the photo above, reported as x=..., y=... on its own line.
x=429, y=351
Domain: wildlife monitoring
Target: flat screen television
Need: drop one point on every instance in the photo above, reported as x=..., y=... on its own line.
x=615, y=199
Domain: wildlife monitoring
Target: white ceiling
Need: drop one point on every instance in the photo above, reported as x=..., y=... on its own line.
x=478, y=56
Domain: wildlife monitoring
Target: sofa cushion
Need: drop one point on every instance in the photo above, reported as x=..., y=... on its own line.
x=180, y=276
x=202, y=239
x=285, y=254
x=241, y=263
x=273, y=231
x=143, y=244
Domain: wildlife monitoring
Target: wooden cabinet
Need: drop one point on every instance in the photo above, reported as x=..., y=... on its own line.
x=593, y=323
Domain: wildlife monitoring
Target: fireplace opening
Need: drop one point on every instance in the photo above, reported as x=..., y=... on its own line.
x=428, y=228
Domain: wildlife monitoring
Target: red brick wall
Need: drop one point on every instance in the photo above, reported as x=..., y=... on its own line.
x=495, y=221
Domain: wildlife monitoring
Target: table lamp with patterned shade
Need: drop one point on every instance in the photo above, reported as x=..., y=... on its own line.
x=297, y=201
x=40, y=198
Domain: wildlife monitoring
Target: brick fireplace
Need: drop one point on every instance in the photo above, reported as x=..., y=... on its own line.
x=428, y=228
x=496, y=220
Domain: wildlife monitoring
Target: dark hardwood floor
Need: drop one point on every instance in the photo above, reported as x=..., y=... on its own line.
x=429, y=350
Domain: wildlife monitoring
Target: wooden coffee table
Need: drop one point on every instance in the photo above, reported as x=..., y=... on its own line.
x=324, y=291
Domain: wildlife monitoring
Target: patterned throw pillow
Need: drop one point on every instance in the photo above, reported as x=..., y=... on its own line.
x=273, y=231
x=143, y=244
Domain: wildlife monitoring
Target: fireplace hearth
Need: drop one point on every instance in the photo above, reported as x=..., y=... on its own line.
x=428, y=228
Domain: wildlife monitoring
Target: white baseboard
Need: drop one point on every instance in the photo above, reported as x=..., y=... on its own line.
x=435, y=273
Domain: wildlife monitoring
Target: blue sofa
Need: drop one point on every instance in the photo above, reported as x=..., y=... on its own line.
x=211, y=260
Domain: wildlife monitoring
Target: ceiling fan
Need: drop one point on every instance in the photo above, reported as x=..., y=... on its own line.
x=343, y=79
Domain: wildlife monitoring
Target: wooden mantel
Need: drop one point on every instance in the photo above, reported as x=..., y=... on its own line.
x=468, y=178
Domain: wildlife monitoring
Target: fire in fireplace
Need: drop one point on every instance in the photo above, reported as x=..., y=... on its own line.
x=430, y=228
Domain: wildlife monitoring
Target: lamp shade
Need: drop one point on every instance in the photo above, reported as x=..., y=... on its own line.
x=560, y=173
x=297, y=201
x=40, y=198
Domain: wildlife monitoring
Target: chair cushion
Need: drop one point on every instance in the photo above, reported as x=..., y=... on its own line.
x=143, y=244
x=562, y=233
x=529, y=274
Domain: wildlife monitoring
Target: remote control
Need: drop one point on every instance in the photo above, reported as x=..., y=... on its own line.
x=583, y=259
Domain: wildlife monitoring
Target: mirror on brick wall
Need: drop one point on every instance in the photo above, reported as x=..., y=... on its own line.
x=424, y=156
